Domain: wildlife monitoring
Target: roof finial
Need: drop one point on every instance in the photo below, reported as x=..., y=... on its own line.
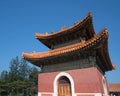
x=90, y=14
x=46, y=33
x=105, y=28
x=114, y=66
x=63, y=28
x=53, y=32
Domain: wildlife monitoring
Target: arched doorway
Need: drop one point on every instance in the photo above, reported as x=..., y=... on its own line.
x=64, y=86
x=57, y=79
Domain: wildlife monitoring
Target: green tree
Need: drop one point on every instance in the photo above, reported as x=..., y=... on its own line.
x=4, y=76
x=14, y=69
x=20, y=80
x=33, y=76
x=24, y=70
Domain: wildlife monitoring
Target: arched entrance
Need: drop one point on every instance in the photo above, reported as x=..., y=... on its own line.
x=66, y=77
x=64, y=86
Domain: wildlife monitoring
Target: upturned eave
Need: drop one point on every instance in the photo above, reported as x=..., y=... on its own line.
x=85, y=23
x=95, y=42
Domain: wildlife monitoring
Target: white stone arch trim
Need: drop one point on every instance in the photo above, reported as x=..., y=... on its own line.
x=56, y=83
x=104, y=86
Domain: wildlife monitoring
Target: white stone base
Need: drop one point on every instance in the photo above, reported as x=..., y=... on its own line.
x=80, y=94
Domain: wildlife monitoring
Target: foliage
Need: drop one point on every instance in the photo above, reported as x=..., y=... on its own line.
x=21, y=80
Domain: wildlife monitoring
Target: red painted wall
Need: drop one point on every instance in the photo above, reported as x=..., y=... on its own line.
x=87, y=80
x=45, y=82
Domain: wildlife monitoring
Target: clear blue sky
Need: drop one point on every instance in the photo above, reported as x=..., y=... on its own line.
x=21, y=19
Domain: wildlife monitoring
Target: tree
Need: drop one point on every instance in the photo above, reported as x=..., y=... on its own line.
x=4, y=75
x=14, y=69
x=24, y=70
x=33, y=76
x=21, y=80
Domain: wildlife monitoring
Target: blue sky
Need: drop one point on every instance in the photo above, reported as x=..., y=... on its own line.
x=21, y=19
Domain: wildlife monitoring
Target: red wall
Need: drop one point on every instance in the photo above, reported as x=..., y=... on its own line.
x=45, y=82
x=87, y=80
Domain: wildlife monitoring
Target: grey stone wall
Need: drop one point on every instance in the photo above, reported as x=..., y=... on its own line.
x=68, y=43
x=75, y=64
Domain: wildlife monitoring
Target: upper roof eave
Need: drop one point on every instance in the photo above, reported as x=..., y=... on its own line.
x=46, y=36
